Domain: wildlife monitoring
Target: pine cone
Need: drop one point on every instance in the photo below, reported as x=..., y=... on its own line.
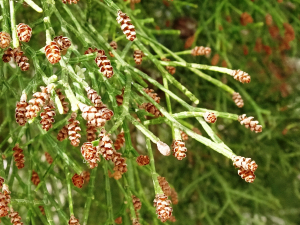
x=174, y=196
x=289, y=33
x=114, y=45
x=21, y=111
x=21, y=60
x=73, y=220
x=35, y=178
x=92, y=115
x=62, y=42
x=171, y=69
x=163, y=208
x=18, y=156
x=143, y=160
x=246, y=18
x=237, y=98
x=35, y=103
x=149, y=107
x=78, y=180
x=137, y=204
x=119, y=162
x=63, y=133
x=47, y=116
x=247, y=121
x=119, y=141
x=8, y=54
x=269, y=20
x=240, y=76
x=200, y=50
x=247, y=175
x=117, y=175
x=105, y=145
x=73, y=129
x=126, y=26
x=215, y=59
x=49, y=159
x=15, y=219
x=94, y=97
x=70, y=2
x=52, y=52
x=3, y=205
x=6, y=192
x=244, y=163
x=4, y=39
x=164, y=185
x=91, y=132
x=152, y=95
x=24, y=32
x=179, y=149
x=210, y=117
x=90, y=50
x=90, y=154
x=104, y=64
x=138, y=57
x=184, y=136
x=62, y=99
x=86, y=175
x=1, y=182
x=120, y=98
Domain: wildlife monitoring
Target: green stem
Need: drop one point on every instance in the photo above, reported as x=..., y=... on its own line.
x=68, y=178
x=110, y=218
x=13, y=24
x=34, y=6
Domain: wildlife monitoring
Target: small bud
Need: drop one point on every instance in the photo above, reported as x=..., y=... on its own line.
x=163, y=148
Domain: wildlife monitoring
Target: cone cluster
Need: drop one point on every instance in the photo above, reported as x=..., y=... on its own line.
x=138, y=57
x=163, y=207
x=5, y=39
x=201, y=50
x=126, y=26
x=163, y=183
x=237, y=98
x=119, y=141
x=241, y=76
x=78, y=180
x=179, y=149
x=91, y=132
x=63, y=43
x=249, y=123
x=18, y=156
x=246, y=167
x=24, y=32
x=18, y=56
x=143, y=160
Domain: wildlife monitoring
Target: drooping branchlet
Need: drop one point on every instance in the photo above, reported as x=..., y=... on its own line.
x=21, y=110
x=179, y=149
x=35, y=178
x=143, y=160
x=237, y=98
x=78, y=180
x=90, y=154
x=63, y=43
x=210, y=117
x=138, y=57
x=104, y=64
x=24, y=32
x=52, y=52
x=241, y=76
x=201, y=50
x=163, y=207
x=126, y=26
x=4, y=39
x=18, y=156
x=163, y=183
x=119, y=141
x=249, y=123
x=47, y=116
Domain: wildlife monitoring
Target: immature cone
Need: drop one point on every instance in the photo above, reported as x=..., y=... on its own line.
x=152, y=95
x=126, y=26
x=52, y=52
x=91, y=132
x=35, y=178
x=73, y=220
x=119, y=141
x=138, y=57
x=241, y=76
x=47, y=116
x=114, y=45
x=137, y=204
x=18, y=156
x=49, y=158
x=210, y=117
x=174, y=196
x=184, y=136
x=63, y=133
x=120, y=98
x=62, y=100
x=15, y=219
x=4, y=39
x=21, y=111
x=24, y=32
x=94, y=97
x=163, y=148
x=200, y=50
x=119, y=162
x=179, y=149
x=8, y=54
x=62, y=42
x=247, y=175
x=105, y=145
x=246, y=18
x=143, y=160
x=70, y=2
x=4, y=201
x=171, y=69
x=78, y=180
x=163, y=183
x=163, y=207
x=104, y=64
x=92, y=115
x=36, y=103
x=21, y=60
x=90, y=154
x=149, y=107
x=237, y=98
x=73, y=129
x=244, y=163
x=247, y=121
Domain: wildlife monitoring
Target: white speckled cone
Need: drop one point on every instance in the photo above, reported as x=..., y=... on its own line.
x=163, y=148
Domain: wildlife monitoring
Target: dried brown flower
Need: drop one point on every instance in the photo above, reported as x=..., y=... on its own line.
x=119, y=141
x=21, y=111
x=90, y=50
x=70, y=2
x=18, y=156
x=163, y=207
x=35, y=178
x=47, y=116
x=49, y=159
x=241, y=76
x=73, y=220
x=237, y=98
x=289, y=33
x=52, y=52
x=62, y=42
x=163, y=183
x=104, y=64
x=138, y=56
x=4, y=39
x=78, y=180
x=210, y=117
x=24, y=32
x=274, y=31
x=15, y=218
x=201, y=50
x=143, y=160
x=174, y=196
x=126, y=26
x=246, y=18
x=90, y=154
x=179, y=149
x=247, y=121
